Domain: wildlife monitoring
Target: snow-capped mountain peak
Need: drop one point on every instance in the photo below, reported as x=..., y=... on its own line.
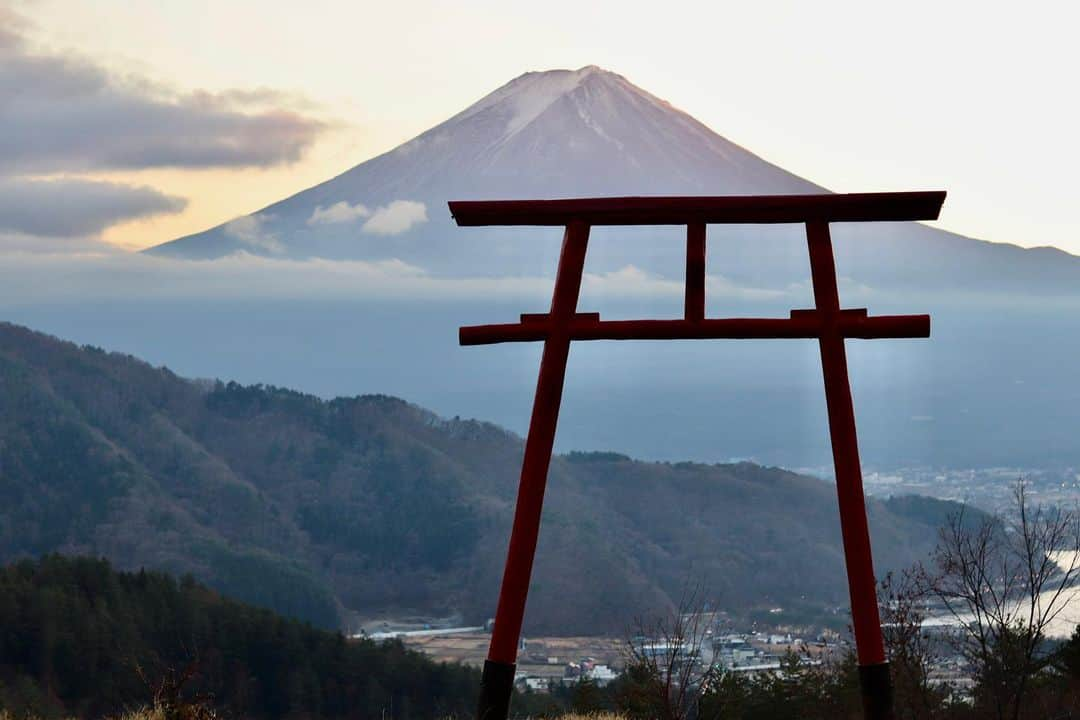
x=525, y=97
x=557, y=133
x=575, y=133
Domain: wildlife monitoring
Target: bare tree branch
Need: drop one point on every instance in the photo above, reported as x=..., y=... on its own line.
x=1004, y=583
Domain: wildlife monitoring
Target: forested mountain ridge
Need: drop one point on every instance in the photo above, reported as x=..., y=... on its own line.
x=82, y=640
x=370, y=504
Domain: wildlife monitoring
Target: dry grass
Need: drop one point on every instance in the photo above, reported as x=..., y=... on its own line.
x=146, y=713
x=159, y=713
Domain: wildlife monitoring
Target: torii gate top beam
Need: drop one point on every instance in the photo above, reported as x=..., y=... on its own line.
x=728, y=209
x=695, y=213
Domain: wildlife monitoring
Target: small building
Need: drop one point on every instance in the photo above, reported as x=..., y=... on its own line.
x=600, y=674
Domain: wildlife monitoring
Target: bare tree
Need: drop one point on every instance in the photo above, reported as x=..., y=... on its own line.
x=902, y=599
x=1005, y=581
x=168, y=697
x=664, y=661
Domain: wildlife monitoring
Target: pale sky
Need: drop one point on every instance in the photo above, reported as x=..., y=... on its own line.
x=977, y=98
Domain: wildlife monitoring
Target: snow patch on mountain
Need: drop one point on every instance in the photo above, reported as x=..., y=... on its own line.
x=526, y=97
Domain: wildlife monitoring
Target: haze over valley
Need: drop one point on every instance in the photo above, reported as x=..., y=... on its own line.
x=358, y=284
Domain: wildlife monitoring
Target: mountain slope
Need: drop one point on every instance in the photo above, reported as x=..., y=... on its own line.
x=370, y=504
x=585, y=132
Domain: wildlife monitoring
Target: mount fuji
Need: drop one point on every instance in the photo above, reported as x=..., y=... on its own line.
x=591, y=132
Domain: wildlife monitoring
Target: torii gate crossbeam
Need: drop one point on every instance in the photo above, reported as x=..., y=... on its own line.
x=827, y=322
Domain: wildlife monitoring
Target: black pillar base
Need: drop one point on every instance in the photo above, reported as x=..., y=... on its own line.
x=496, y=684
x=875, y=685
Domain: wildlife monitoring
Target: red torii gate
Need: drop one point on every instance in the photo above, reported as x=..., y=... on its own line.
x=827, y=322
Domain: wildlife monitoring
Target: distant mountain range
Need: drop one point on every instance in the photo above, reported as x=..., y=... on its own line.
x=369, y=504
x=591, y=132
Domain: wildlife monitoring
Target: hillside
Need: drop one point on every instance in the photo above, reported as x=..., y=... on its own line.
x=82, y=640
x=369, y=504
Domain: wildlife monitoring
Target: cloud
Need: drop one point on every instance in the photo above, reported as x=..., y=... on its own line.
x=392, y=219
x=101, y=273
x=631, y=281
x=62, y=114
x=9, y=23
x=65, y=113
x=107, y=274
x=339, y=212
x=251, y=231
x=396, y=218
x=76, y=208
x=29, y=274
x=253, y=99
x=15, y=246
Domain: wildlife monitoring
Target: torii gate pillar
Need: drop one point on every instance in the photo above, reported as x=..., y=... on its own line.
x=827, y=323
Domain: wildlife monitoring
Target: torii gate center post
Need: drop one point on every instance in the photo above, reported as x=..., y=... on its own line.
x=826, y=322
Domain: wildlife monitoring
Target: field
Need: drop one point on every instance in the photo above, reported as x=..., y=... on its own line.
x=542, y=656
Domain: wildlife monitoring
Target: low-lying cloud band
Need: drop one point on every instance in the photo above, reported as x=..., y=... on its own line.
x=75, y=208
